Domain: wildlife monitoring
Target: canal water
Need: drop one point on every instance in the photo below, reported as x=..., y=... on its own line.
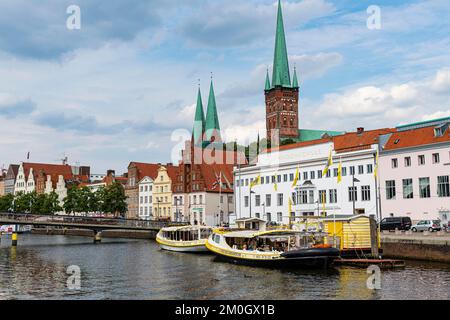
x=137, y=269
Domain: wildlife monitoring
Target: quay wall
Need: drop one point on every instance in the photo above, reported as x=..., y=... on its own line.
x=428, y=247
x=127, y=234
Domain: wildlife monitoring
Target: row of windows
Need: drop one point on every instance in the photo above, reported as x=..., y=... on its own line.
x=308, y=197
x=160, y=199
x=146, y=188
x=268, y=216
x=146, y=199
x=443, y=188
x=421, y=160
x=147, y=211
x=311, y=175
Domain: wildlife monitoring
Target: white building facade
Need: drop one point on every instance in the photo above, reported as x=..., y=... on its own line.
x=415, y=175
x=210, y=208
x=313, y=194
x=24, y=184
x=145, y=198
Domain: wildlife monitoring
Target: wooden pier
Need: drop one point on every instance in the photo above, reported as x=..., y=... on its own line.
x=364, y=263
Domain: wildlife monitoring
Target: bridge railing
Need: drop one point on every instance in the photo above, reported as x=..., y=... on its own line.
x=72, y=219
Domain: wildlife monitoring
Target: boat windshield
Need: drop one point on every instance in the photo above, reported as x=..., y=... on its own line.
x=276, y=242
x=187, y=235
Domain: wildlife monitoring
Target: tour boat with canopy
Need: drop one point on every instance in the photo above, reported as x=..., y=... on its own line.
x=184, y=238
x=273, y=248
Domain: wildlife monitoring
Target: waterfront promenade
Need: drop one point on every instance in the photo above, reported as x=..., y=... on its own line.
x=431, y=246
x=130, y=269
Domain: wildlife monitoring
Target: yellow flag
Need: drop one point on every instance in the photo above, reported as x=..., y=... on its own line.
x=297, y=173
x=328, y=165
x=375, y=172
x=289, y=206
x=324, y=199
x=339, y=177
x=256, y=181
x=275, y=186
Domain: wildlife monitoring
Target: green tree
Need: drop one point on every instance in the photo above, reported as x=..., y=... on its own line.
x=84, y=195
x=37, y=202
x=114, y=199
x=69, y=202
x=6, y=203
x=96, y=200
x=50, y=204
x=23, y=202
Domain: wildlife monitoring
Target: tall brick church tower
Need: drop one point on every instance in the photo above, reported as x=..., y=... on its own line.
x=282, y=94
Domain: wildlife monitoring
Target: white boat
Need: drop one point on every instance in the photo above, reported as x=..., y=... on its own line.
x=273, y=248
x=184, y=238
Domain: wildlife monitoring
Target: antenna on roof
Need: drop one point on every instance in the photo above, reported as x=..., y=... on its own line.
x=64, y=160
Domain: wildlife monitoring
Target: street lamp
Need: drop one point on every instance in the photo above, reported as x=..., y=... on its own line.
x=157, y=213
x=354, y=193
x=176, y=209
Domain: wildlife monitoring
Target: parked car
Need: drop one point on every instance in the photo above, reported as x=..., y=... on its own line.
x=392, y=223
x=427, y=225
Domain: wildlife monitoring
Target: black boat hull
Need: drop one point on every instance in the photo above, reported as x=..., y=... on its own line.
x=316, y=262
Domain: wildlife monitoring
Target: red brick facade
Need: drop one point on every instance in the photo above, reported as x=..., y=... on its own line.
x=282, y=111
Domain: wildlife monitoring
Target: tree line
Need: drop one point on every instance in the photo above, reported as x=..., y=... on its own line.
x=79, y=200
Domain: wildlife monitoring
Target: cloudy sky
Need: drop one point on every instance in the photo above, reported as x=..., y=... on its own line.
x=117, y=89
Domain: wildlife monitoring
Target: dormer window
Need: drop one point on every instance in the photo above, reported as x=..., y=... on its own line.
x=439, y=131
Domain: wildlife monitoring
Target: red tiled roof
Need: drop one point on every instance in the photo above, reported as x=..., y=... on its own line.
x=415, y=137
x=353, y=141
x=211, y=173
x=217, y=155
x=48, y=169
x=146, y=169
x=172, y=172
x=298, y=145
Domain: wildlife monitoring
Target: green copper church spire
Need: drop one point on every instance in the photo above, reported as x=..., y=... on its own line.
x=212, y=126
x=280, y=76
x=295, y=80
x=199, y=121
x=267, y=80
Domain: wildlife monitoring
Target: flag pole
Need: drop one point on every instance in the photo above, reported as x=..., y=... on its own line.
x=220, y=196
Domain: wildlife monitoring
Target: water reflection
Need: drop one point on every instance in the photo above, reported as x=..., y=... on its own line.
x=137, y=269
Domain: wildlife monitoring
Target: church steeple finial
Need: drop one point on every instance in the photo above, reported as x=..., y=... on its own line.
x=295, y=80
x=212, y=127
x=280, y=76
x=267, y=80
x=199, y=120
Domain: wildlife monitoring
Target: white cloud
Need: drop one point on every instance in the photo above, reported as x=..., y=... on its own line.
x=436, y=115
x=308, y=66
x=388, y=105
x=315, y=65
x=441, y=82
x=245, y=134
x=244, y=22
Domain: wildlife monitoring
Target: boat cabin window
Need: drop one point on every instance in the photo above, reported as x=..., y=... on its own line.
x=187, y=235
x=275, y=242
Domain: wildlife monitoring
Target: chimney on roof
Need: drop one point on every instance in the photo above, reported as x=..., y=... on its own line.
x=360, y=130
